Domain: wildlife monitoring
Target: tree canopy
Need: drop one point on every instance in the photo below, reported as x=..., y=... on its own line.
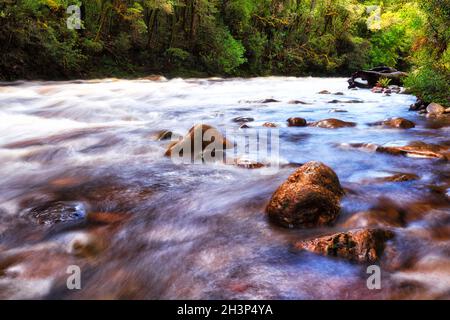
x=227, y=38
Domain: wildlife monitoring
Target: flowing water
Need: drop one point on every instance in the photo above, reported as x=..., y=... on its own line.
x=85, y=154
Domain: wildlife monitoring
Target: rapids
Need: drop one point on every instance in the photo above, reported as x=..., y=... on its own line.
x=158, y=230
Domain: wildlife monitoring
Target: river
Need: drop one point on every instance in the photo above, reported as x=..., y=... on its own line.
x=141, y=227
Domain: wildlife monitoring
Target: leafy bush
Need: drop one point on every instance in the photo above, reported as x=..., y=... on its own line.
x=384, y=82
x=177, y=56
x=430, y=84
x=227, y=56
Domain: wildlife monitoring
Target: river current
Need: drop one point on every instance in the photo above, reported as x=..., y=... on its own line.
x=141, y=227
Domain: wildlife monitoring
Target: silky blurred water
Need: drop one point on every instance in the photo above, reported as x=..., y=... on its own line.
x=199, y=231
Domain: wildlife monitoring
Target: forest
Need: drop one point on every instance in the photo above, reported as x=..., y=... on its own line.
x=195, y=38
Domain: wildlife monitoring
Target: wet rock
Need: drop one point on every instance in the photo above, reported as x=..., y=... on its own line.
x=345, y=101
x=324, y=92
x=399, y=177
x=418, y=106
x=153, y=77
x=205, y=136
x=269, y=125
x=414, y=150
x=106, y=218
x=377, y=90
x=435, y=109
x=333, y=124
x=164, y=135
x=338, y=93
x=264, y=101
x=405, y=91
x=363, y=246
x=244, y=126
x=245, y=163
x=269, y=101
x=398, y=123
x=298, y=102
x=47, y=155
x=86, y=245
x=296, y=122
x=243, y=119
x=335, y=110
x=56, y=212
x=310, y=197
x=418, y=150
x=376, y=218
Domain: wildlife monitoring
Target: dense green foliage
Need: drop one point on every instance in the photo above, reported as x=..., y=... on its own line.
x=227, y=37
x=430, y=78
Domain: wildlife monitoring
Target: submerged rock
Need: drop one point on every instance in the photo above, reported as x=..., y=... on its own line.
x=296, y=122
x=414, y=150
x=164, y=135
x=57, y=212
x=435, y=109
x=376, y=218
x=85, y=245
x=154, y=77
x=324, y=92
x=243, y=119
x=310, y=197
x=336, y=110
x=418, y=150
x=333, y=124
x=245, y=163
x=106, y=218
x=418, y=106
x=398, y=123
x=206, y=136
x=269, y=101
x=297, y=102
x=270, y=125
x=363, y=246
x=345, y=101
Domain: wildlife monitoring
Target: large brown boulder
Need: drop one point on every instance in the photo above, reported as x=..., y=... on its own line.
x=198, y=139
x=364, y=245
x=333, y=124
x=419, y=149
x=310, y=197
